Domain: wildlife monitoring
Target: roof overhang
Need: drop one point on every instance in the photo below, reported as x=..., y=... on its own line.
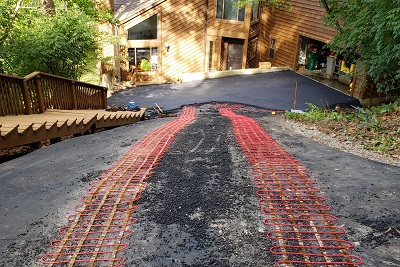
x=130, y=9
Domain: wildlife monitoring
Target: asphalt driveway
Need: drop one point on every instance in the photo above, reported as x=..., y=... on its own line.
x=223, y=227
x=273, y=90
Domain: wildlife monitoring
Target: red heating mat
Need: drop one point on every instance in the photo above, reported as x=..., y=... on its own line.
x=297, y=219
x=97, y=231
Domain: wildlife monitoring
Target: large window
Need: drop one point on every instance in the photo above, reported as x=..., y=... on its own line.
x=144, y=59
x=145, y=30
x=226, y=10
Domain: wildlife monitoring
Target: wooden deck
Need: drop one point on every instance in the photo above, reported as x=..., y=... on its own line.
x=54, y=123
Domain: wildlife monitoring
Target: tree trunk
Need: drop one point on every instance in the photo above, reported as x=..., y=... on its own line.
x=48, y=8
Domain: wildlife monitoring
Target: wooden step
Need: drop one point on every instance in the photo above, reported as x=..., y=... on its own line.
x=8, y=129
x=53, y=123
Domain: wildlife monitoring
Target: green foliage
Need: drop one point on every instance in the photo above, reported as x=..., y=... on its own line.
x=6, y=12
x=92, y=9
x=371, y=116
x=386, y=108
x=366, y=123
x=145, y=64
x=314, y=114
x=384, y=142
x=369, y=33
x=62, y=44
x=269, y=4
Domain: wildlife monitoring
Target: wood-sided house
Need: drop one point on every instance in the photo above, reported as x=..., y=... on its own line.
x=172, y=37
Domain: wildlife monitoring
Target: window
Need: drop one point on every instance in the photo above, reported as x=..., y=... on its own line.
x=210, y=56
x=225, y=10
x=145, y=59
x=255, y=13
x=145, y=30
x=272, y=48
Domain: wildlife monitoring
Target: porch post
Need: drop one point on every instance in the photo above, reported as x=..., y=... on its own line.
x=26, y=98
x=39, y=94
x=73, y=95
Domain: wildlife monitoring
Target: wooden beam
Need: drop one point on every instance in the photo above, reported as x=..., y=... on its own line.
x=26, y=98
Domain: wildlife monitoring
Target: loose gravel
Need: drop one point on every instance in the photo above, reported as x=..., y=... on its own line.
x=347, y=146
x=200, y=208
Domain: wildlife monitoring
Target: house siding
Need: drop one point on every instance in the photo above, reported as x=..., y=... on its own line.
x=217, y=29
x=225, y=28
x=264, y=36
x=182, y=25
x=286, y=26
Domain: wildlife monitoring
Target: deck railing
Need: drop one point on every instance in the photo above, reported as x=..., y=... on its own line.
x=39, y=91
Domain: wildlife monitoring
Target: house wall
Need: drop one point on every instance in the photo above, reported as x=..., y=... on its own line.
x=226, y=28
x=286, y=26
x=181, y=26
x=220, y=28
x=264, y=36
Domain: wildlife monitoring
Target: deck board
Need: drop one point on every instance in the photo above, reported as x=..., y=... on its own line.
x=26, y=129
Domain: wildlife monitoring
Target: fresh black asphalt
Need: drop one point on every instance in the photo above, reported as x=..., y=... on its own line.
x=273, y=90
x=38, y=190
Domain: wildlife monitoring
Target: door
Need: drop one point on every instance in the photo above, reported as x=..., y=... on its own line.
x=235, y=56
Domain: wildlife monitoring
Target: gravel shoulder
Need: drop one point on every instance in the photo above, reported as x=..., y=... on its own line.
x=346, y=146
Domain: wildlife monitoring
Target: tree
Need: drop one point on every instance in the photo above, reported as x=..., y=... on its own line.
x=62, y=38
x=269, y=4
x=8, y=13
x=61, y=45
x=368, y=32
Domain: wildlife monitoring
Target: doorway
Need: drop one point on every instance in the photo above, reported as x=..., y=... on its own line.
x=234, y=55
x=305, y=47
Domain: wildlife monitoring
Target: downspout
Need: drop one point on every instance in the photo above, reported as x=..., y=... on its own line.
x=205, y=36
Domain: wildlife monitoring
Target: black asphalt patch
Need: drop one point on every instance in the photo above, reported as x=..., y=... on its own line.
x=200, y=208
x=38, y=190
x=269, y=91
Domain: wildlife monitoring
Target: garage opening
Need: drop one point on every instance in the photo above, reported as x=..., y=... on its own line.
x=318, y=62
x=312, y=54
